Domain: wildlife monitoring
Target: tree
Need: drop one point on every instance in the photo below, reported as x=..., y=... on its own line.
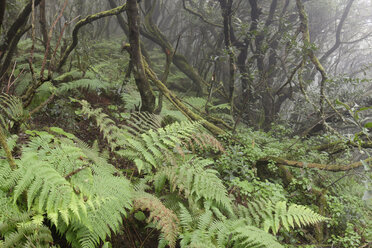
x=147, y=96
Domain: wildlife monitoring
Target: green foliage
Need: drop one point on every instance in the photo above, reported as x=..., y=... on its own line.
x=143, y=141
x=249, y=180
x=350, y=238
x=205, y=211
x=85, y=83
x=205, y=230
x=193, y=191
x=69, y=185
x=169, y=110
x=63, y=180
x=271, y=216
x=21, y=229
x=249, y=236
x=196, y=181
x=196, y=102
x=351, y=215
x=256, y=188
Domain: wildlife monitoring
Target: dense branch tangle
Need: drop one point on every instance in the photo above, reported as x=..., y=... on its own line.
x=82, y=23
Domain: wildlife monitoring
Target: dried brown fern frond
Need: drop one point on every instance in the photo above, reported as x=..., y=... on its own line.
x=164, y=219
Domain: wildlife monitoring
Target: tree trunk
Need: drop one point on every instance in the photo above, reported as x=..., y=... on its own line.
x=147, y=95
x=226, y=9
x=2, y=12
x=13, y=35
x=43, y=23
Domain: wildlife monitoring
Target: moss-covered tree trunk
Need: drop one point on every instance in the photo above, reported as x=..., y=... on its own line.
x=180, y=105
x=147, y=95
x=43, y=23
x=226, y=9
x=13, y=35
x=304, y=28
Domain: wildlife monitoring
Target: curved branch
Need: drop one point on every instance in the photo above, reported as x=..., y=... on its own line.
x=304, y=165
x=357, y=40
x=338, y=31
x=20, y=21
x=82, y=23
x=339, y=146
x=11, y=49
x=179, y=104
x=200, y=15
x=290, y=78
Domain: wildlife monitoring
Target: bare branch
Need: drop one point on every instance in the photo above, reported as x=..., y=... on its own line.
x=338, y=31
x=200, y=15
x=82, y=23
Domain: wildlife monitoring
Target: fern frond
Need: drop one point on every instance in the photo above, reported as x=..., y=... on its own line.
x=163, y=217
x=271, y=216
x=68, y=182
x=105, y=213
x=85, y=84
x=114, y=135
x=140, y=122
x=142, y=141
x=288, y=218
x=198, y=182
x=252, y=237
x=256, y=211
x=11, y=109
x=21, y=229
x=185, y=217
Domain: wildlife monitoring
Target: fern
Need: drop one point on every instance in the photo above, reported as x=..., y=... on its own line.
x=113, y=134
x=195, y=181
x=288, y=218
x=21, y=229
x=168, y=110
x=141, y=122
x=130, y=96
x=190, y=188
x=11, y=108
x=271, y=216
x=204, y=229
x=74, y=189
x=85, y=83
x=142, y=141
x=162, y=217
x=250, y=236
